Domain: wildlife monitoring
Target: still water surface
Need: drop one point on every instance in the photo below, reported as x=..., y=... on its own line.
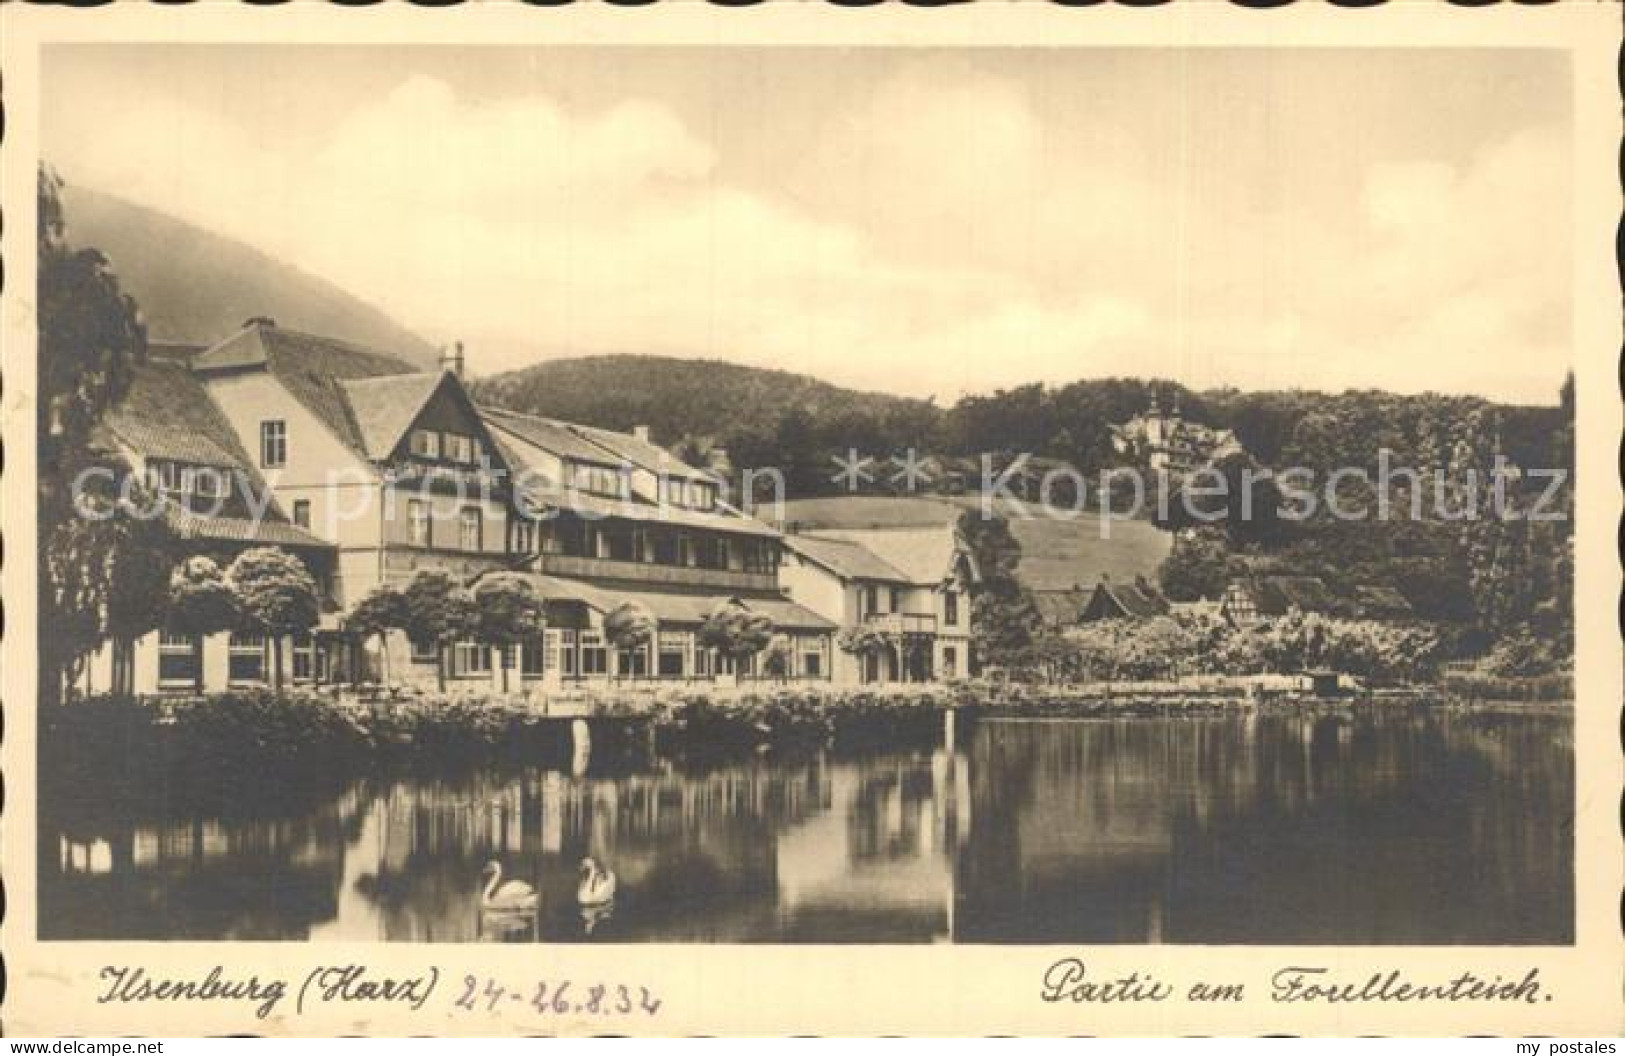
x=1400, y=827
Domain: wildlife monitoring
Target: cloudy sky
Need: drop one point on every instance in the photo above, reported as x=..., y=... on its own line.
x=926, y=222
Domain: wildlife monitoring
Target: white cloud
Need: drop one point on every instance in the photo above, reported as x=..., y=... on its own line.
x=957, y=241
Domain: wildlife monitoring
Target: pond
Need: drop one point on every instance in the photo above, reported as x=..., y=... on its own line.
x=1397, y=826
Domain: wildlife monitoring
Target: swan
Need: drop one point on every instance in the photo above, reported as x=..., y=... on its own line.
x=597, y=886
x=512, y=897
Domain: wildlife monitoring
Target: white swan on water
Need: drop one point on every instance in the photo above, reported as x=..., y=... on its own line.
x=597, y=887
x=511, y=897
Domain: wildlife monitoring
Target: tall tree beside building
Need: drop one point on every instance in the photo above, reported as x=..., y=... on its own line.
x=201, y=603
x=277, y=597
x=439, y=612
x=508, y=614
x=90, y=338
x=382, y=610
x=735, y=632
x=1004, y=619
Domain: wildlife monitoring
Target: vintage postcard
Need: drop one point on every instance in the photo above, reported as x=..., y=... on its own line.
x=1005, y=520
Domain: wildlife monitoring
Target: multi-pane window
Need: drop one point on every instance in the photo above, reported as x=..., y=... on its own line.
x=301, y=512
x=814, y=656
x=273, y=443
x=417, y=514
x=567, y=653
x=425, y=443
x=531, y=659
x=177, y=660
x=304, y=658
x=673, y=646
x=950, y=608
x=207, y=482
x=760, y=556
x=594, y=654
x=471, y=525
x=245, y=658
x=524, y=536
x=470, y=660
x=459, y=448
x=599, y=480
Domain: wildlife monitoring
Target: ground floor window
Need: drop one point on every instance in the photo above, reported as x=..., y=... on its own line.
x=425, y=653
x=594, y=654
x=632, y=663
x=673, y=647
x=177, y=660
x=532, y=660
x=702, y=662
x=814, y=657
x=470, y=660
x=245, y=658
x=950, y=661
x=304, y=658
x=561, y=652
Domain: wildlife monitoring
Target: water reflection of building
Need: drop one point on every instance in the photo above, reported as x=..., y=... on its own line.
x=1410, y=826
x=877, y=864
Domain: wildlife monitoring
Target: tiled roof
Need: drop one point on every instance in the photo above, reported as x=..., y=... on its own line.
x=1382, y=601
x=310, y=366
x=383, y=408
x=557, y=438
x=1276, y=595
x=1132, y=599
x=641, y=453
x=168, y=414
x=243, y=530
x=1060, y=608
x=845, y=558
x=677, y=607
x=925, y=556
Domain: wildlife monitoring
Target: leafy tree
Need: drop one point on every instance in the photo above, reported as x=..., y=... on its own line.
x=201, y=603
x=1004, y=619
x=1197, y=567
x=276, y=595
x=382, y=610
x=508, y=612
x=439, y=612
x=778, y=656
x=90, y=338
x=735, y=632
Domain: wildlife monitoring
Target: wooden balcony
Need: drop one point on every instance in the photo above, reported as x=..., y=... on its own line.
x=656, y=575
x=902, y=623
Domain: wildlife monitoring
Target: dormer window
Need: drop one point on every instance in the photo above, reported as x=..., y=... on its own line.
x=460, y=448
x=599, y=480
x=425, y=443
x=273, y=443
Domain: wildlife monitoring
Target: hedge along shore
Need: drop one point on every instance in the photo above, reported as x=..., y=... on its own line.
x=251, y=727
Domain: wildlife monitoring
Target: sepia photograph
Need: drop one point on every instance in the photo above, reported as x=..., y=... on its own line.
x=616, y=493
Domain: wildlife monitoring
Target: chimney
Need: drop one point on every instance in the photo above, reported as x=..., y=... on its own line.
x=258, y=320
x=641, y=432
x=451, y=358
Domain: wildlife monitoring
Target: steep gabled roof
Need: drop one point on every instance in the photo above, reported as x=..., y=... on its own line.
x=168, y=414
x=847, y=559
x=309, y=366
x=384, y=407
x=926, y=556
x=1127, y=599
x=1060, y=608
